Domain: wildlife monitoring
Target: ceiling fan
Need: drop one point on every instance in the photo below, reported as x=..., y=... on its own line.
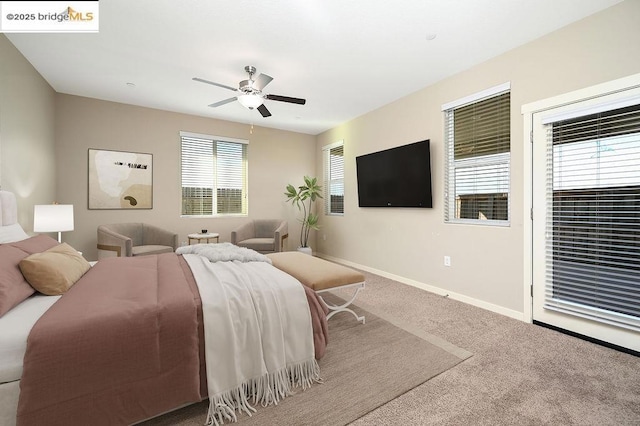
x=249, y=92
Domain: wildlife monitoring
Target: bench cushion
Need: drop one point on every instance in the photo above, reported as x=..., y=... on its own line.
x=319, y=274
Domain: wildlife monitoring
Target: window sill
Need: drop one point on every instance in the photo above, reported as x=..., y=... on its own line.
x=500, y=223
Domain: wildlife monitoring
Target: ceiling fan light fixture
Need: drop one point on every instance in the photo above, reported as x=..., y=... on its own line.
x=249, y=93
x=250, y=101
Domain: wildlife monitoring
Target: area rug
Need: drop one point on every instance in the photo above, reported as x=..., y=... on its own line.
x=365, y=366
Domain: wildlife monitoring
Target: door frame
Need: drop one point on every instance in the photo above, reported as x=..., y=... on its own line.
x=529, y=210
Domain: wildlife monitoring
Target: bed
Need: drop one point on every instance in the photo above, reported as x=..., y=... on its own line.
x=133, y=338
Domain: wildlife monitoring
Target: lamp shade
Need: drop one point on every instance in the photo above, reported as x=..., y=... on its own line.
x=53, y=218
x=250, y=101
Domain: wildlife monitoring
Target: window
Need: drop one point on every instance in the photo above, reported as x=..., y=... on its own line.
x=214, y=175
x=595, y=194
x=334, y=178
x=477, y=149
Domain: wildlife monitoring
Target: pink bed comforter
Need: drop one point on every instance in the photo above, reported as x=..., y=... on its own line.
x=119, y=347
x=123, y=345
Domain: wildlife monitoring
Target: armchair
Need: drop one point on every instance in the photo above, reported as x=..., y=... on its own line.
x=134, y=239
x=261, y=235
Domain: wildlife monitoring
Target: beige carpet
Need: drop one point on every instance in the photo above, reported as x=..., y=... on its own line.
x=365, y=367
x=519, y=374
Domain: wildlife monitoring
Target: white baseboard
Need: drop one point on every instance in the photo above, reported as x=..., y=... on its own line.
x=432, y=289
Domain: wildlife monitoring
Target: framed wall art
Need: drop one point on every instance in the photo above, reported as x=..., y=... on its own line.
x=120, y=180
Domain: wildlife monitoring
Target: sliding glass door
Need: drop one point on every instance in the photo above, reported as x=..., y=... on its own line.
x=586, y=217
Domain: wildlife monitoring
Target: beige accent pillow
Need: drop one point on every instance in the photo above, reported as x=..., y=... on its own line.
x=55, y=270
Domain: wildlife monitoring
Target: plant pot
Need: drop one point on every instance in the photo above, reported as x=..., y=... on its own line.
x=306, y=250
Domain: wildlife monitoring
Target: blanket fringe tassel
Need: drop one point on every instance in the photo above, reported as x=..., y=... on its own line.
x=266, y=390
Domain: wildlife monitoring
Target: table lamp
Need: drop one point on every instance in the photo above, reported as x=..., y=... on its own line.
x=53, y=218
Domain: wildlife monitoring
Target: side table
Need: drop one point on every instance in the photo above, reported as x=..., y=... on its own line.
x=206, y=237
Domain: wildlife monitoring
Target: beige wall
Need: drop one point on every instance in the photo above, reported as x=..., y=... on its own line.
x=487, y=261
x=275, y=159
x=27, y=144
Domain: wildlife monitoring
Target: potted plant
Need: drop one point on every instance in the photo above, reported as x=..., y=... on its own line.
x=307, y=193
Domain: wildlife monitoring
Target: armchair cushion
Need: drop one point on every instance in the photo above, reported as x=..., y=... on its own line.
x=261, y=245
x=135, y=239
x=150, y=249
x=261, y=235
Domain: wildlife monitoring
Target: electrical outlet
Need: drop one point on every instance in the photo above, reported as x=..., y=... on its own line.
x=447, y=261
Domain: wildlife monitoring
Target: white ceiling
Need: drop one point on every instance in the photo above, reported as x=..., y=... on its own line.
x=344, y=57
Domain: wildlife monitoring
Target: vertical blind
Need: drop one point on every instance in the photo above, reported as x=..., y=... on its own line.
x=214, y=176
x=334, y=178
x=477, y=166
x=593, y=231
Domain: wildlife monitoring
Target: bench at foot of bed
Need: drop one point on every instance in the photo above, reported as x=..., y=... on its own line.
x=321, y=276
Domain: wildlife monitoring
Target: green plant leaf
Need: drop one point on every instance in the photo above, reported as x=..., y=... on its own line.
x=312, y=221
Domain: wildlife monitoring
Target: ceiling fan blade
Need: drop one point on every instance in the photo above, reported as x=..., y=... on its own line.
x=261, y=81
x=298, y=101
x=226, y=101
x=264, y=111
x=202, y=80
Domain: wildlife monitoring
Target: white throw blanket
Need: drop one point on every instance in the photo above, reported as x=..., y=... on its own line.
x=258, y=335
x=224, y=252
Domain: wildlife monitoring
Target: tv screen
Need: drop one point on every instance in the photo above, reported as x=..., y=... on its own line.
x=395, y=177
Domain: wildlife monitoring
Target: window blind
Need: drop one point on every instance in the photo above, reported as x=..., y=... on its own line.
x=477, y=166
x=334, y=178
x=593, y=186
x=214, y=176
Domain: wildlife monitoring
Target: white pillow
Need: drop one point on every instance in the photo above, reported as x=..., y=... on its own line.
x=12, y=233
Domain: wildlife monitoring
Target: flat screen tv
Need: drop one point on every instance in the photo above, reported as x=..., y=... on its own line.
x=395, y=177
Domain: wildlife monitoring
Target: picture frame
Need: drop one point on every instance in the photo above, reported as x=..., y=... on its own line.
x=120, y=180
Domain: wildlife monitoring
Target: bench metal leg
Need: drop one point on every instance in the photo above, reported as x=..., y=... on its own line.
x=334, y=309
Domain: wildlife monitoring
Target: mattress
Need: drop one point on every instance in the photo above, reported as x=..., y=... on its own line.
x=15, y=326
